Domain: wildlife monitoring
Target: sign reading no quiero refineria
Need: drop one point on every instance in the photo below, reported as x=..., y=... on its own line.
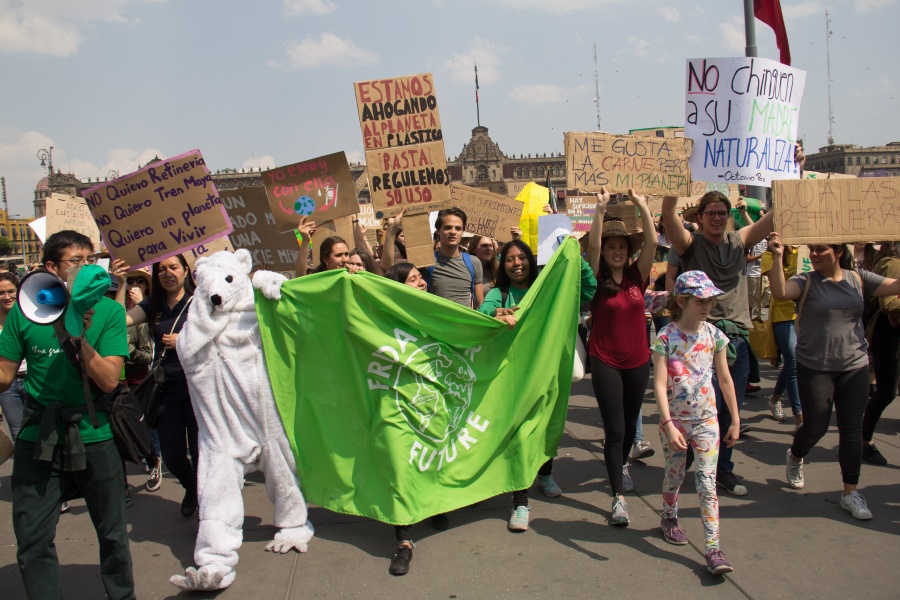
x=404, y=144
x=742, y=113
x=159, y=211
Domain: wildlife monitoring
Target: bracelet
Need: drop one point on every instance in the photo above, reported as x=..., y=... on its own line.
x=666, y=422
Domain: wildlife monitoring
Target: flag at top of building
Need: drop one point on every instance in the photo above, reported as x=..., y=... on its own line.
x=769, y=12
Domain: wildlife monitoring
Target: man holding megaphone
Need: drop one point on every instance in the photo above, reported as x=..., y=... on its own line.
x=65, y=449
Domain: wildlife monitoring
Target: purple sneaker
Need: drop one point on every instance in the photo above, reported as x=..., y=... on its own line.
x=716, y=563
x=672, y=533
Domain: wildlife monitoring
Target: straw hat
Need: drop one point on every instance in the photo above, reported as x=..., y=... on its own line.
x=144, y=273
x=616, y=228
x=691, y=213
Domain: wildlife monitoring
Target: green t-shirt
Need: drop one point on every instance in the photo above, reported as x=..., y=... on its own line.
x=51, y=377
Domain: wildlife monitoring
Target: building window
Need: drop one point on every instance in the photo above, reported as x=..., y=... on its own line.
x=884, y=160
x=849, y=161
x=893, y=160
x=857, y=161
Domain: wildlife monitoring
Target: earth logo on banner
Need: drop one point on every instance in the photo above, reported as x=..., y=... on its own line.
x=434, y=391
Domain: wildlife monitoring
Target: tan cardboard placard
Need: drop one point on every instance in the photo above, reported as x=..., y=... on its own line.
x=412, y=177
x=649, y=165
x=71, y=212
x=254, y=229
x=698, y=189
x=362, y=181
x=818, y=175
x=159, y=211
x=626, y=211
x=322, y=188
x=218, y=245
x=487, y=214
x=399, y=111
x=837, y=211
x=514, y=188
x=366, y=216
x=419, y=241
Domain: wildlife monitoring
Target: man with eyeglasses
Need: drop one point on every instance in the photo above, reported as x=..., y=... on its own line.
x=721, y=255
x=59, y=453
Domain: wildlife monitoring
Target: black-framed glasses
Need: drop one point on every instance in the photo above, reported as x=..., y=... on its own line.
x=716, y=214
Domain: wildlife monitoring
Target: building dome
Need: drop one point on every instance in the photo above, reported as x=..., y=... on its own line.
x=43, y=185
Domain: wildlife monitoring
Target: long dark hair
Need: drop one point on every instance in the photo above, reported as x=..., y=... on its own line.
x=845, y=260
x=158, y=294
x=490, y=269
x=888, y=250
x=399, y=271
x=326, y=248
x=608, y=285
x=366, y=258
x=503, y=281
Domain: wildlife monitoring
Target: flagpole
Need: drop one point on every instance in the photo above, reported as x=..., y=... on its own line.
x=753, y=191
x=477, y=108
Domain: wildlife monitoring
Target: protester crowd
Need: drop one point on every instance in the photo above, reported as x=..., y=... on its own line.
x=719, y=279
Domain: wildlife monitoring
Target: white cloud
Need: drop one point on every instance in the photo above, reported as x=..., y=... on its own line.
x=259, y=162
x=484, y=53
x=640, y=46
x=52, y=27
x=328, y=50
x=733, y=35
x=543, y=93
x=804, y=9
x=558, y=7
x=669, y=13
x=865, y=6
x=316, y=7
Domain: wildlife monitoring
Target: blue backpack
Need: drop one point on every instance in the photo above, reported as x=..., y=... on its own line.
x=466, y=259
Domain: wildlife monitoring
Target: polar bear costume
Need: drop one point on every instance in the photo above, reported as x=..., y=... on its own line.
x=240, y=430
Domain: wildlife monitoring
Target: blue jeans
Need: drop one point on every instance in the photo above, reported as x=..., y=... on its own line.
x=786, y=338
x=740, y=375
x=12, y=401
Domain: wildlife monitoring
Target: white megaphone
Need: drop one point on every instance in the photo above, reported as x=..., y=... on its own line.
x=42, y=297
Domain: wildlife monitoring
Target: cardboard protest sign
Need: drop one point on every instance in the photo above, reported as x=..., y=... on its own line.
x=254, y=229
x=412, y=177
x=552, y=229
x=625, y=210
x=419, y=240
x=837, y=211
x=321, y=188
x=159, y=211
x=580, y=210
x=399, y=111
x=618, y=162
x=70, y=212
x=217, y=245
x=362, y=181
x=366, y=216
x=487, y=214
x=817, y=175
x=743, y=115
x=514, y=188
x=804, y=265
x=698, y=189
x=342, y=227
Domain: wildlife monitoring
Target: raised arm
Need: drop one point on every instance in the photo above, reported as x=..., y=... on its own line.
x=780, y=289
x=595, y=241
x=307, y=229
x=390, y=236
x=648, y=252
x=675, y=231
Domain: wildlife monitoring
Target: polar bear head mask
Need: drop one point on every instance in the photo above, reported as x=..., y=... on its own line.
x=223, y=280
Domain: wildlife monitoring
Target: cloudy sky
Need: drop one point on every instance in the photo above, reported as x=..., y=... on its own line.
x=111, y=83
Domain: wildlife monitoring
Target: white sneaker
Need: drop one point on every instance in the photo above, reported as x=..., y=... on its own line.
x=793, y=472
x=627, y=483
x=856, y=504
x=641, y=450
x=776, y=408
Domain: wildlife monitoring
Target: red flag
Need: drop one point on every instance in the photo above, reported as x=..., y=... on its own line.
x=769, y=12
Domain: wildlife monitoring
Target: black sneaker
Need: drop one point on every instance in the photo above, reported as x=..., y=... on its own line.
x=154, y=479
x=729, y=482
x=189, y=504
x=400, y=562
x=873, y=456
x=440, y=522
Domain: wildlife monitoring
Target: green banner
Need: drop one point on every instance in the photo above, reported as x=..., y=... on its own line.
x=400, y=405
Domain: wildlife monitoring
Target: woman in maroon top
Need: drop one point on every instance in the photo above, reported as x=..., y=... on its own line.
x=618, y=343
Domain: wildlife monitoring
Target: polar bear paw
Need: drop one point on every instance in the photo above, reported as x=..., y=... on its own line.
x=269, y=283
x=296, y=538
x=206, y=578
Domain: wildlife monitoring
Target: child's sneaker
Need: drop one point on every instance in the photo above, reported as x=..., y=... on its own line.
x=619, y=516
x=856, y=504
x=518, y=520
x=549, y=487
x=793, y=472
x=716, y=563
x=672, y=531
x=776, y=408
x=627, y=482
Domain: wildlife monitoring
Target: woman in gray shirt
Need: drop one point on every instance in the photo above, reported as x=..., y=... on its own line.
x=832, y=366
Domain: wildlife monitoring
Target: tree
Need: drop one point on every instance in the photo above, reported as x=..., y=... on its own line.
x=7, y=246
